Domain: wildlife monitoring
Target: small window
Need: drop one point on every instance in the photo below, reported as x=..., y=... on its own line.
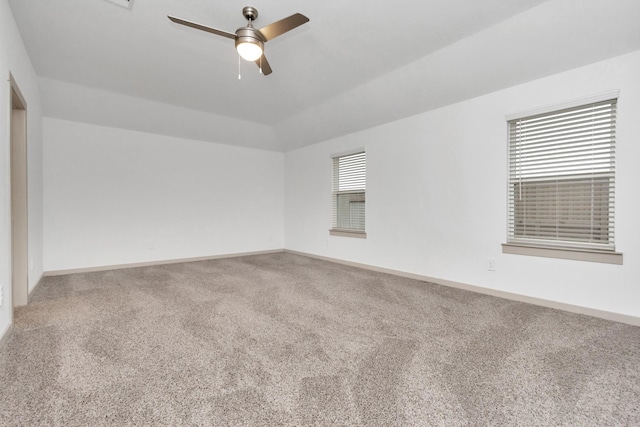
x=561, y=178
x=348, y=195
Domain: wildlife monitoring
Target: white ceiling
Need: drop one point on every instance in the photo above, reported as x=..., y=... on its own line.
x=356, y=64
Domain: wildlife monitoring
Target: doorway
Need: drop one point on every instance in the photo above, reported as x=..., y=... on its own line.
x=19, y=211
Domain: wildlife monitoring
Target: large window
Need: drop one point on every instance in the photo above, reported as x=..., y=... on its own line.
x=348, y=194
x=561, y=178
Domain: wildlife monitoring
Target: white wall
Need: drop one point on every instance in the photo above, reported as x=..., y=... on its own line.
x=436, y=194
x=115, y=196
x=14, y=60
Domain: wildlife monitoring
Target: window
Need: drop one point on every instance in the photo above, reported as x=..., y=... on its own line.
x=561, y=178
x=348, y=195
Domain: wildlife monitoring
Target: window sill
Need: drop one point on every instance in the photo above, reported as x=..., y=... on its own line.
x=563, y=253
x=348, y=233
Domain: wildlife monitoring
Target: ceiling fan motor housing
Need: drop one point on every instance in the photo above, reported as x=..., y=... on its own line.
x=249, y=35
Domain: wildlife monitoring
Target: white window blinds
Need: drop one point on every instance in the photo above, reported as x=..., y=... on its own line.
x=562, y=176
x=348, y=192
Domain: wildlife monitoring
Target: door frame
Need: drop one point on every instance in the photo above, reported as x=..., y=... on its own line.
x=19, y=196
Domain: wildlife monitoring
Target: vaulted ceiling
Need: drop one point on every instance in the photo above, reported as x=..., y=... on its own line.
x=355, y=65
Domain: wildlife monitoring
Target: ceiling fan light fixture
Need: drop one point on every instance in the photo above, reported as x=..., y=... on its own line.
x=249, y=50
x=248, y=44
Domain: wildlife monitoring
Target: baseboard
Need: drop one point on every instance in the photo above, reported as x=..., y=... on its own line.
x=608, y=315
x=40, y=280
x=5, y=335
x=152, y=263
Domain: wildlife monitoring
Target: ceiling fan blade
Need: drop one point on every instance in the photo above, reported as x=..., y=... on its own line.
x=280, y=27
x=202, y=27
x=264, y=64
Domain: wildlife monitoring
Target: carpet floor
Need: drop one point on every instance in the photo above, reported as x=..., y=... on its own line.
x=286, y=340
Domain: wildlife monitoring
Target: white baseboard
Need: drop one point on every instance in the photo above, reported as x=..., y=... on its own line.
x=608, y=315
x=152, y=263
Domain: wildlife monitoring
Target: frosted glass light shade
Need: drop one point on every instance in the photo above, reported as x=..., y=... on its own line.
x=249, y=51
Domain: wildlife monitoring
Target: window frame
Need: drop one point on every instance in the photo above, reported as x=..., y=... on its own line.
x=335, y=230
x=556, y=249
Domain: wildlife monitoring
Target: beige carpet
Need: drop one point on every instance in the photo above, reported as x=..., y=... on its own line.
x=282, y=339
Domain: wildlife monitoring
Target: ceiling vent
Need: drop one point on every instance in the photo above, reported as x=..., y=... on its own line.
x=123, y=3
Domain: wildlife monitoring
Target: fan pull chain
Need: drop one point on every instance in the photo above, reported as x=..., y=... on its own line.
x=261, y=64
x=239, y=75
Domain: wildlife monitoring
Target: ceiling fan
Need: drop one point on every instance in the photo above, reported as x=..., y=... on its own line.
x=249, y=40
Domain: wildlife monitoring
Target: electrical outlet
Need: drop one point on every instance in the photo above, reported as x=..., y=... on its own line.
x=491, y=264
